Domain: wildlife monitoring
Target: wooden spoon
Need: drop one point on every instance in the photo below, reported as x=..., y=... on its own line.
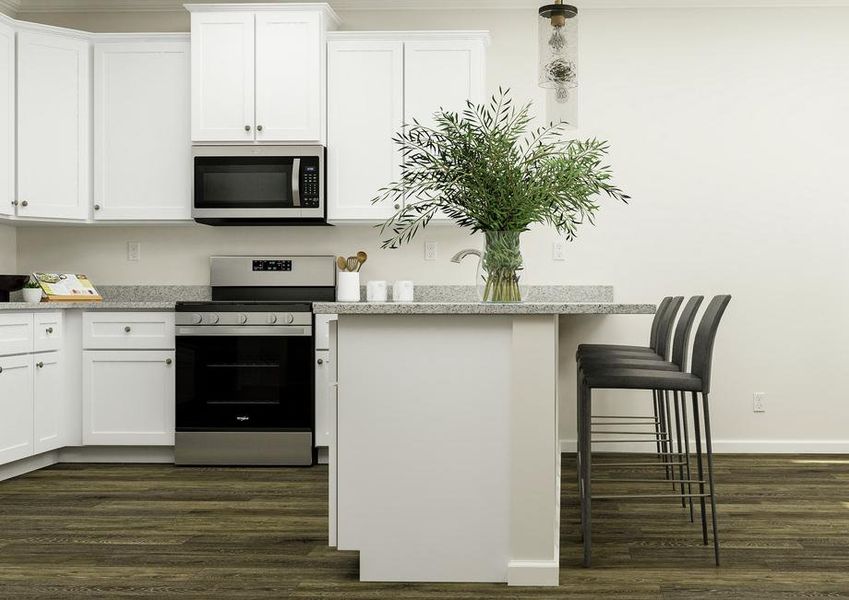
x=353, y=263
x=341, y=263
x=362, y=257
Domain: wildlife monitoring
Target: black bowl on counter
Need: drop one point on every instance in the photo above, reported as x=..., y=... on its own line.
x=11, y=283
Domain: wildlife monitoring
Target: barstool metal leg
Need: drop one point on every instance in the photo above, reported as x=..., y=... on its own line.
x=586, y=473
x=669, y=439
x=680, y=458
x=700, y=467
x=686, y=433
x=710, y=478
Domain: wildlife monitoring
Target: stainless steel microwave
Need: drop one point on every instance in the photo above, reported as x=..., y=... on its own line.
x=259, y=185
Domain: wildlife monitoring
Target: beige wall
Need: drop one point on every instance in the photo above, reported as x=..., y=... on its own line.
x=728, y=128
x=8, y=250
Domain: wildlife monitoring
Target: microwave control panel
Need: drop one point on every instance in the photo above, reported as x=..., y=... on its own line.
x=310, y=184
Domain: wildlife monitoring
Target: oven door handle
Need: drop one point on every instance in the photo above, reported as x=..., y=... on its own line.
x=245, y=331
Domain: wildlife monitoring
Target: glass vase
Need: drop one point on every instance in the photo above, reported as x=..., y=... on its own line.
x=500, y=269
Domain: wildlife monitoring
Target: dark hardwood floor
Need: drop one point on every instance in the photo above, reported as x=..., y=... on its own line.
x=154, y=531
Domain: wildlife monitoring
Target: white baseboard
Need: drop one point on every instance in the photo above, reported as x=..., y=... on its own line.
x=740, y=447
x=28, y=464
x=533, y=573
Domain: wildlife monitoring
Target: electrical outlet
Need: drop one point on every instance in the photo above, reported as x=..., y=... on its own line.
x=759, y=402
x=558, y=250
x=134, y=251
x=431, y=251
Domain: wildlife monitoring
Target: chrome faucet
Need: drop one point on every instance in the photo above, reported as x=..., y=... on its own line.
x=463, y=254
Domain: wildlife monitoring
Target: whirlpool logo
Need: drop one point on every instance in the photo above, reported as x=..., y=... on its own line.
x=243, y=419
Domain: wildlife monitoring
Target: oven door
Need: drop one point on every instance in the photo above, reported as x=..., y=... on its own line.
x=260, y=382
x=256, y=183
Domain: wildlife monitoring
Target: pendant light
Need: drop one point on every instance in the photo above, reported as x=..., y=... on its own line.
x=558, y=49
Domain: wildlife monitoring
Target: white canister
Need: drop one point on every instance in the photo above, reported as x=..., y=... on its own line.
x=403, y=291
x=32, y=294
x=347, y=286
x=376, y=291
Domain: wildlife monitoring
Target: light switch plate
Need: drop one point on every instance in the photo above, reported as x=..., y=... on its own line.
x=134, y=251
x=431, y=250
x=558, y=250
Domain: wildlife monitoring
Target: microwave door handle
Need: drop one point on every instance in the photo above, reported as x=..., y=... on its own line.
x=296, y=183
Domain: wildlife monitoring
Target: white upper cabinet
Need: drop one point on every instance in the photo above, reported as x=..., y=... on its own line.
x=142, y=148
x=377, y=82
x=258, y=74
x=365, y=109
x=288, y=76
x=54, y=148
x=7, y=119
x=223, y=77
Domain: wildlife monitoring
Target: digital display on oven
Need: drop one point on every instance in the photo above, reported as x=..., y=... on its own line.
x=272, y=265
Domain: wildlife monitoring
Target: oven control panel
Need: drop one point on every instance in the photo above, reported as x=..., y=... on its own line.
x=241, y=319
x=275, y=265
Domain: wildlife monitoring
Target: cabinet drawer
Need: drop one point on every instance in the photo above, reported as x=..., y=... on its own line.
x=15, y=333
x=48, y=331
x=128, y=331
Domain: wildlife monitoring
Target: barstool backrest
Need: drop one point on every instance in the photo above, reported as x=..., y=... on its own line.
x=655, y=323
x=705, y=336
x=683, y=329
x=664, y=330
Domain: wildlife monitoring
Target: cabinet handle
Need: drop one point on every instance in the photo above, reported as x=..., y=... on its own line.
x=127, y=329
x=247, y=127
x=320, y=361
x=259, y=127
x=49, y=330
x=24, y=203
x=96, y=207
x=168, y=361
x=40, y=365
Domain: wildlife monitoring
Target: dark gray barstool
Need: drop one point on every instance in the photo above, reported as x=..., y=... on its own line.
x=697, y=382
x=640, y=360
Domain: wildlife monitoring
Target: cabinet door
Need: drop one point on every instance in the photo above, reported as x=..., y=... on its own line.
x=441, y=74
x=365, y=109
x=223, y=77
x=53, y=126
x=7, y=119
x=15, y=407
x=49, y=402
x=288, y=76
x=142, y=148
x=128, y=398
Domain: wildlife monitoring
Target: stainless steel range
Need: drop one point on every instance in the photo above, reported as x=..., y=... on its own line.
x=245, y=375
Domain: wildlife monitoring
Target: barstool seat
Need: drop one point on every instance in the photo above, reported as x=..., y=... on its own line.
x=590, y=363
x=643, y=379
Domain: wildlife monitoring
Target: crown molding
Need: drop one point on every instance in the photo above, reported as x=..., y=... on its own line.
x=135, y=6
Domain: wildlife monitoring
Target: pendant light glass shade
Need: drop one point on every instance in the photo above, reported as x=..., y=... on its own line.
x=558, y=45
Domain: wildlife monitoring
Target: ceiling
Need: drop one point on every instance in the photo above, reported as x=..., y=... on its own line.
x=43, y=6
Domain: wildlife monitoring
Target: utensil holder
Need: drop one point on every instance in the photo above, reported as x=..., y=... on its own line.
x=347, y=286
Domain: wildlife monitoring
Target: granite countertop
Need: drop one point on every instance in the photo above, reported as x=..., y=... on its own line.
x=482, y=308
x=105, y=305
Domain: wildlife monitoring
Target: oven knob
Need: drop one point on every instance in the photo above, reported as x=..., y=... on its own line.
x=197, y=319
x=243, y=319
x=213, y=318
x=289, y=318
x=272, y=319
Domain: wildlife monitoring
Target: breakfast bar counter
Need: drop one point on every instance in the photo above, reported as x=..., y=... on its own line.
x=445, y=464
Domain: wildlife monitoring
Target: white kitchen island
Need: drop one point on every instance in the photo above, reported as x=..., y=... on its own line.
x=446, y=464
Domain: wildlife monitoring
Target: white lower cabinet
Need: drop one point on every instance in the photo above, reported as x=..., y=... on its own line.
x=50, y=417
x=128, y=397
x=16, y=407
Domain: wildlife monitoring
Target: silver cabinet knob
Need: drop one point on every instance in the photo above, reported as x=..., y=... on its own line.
x=96, y=207
x=259, y=127
x=168, y=361
x=49, y=330
x=24, y=203
x=127, y=329
x=40, y=365
x=14, y=202
x=247, y=127
x=320, y=361
x=397, y=206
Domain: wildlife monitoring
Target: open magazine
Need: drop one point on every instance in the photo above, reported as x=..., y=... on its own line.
x=66, y=287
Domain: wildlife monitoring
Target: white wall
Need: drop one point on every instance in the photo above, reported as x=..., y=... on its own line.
x=8, y=250
x=727, y=128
